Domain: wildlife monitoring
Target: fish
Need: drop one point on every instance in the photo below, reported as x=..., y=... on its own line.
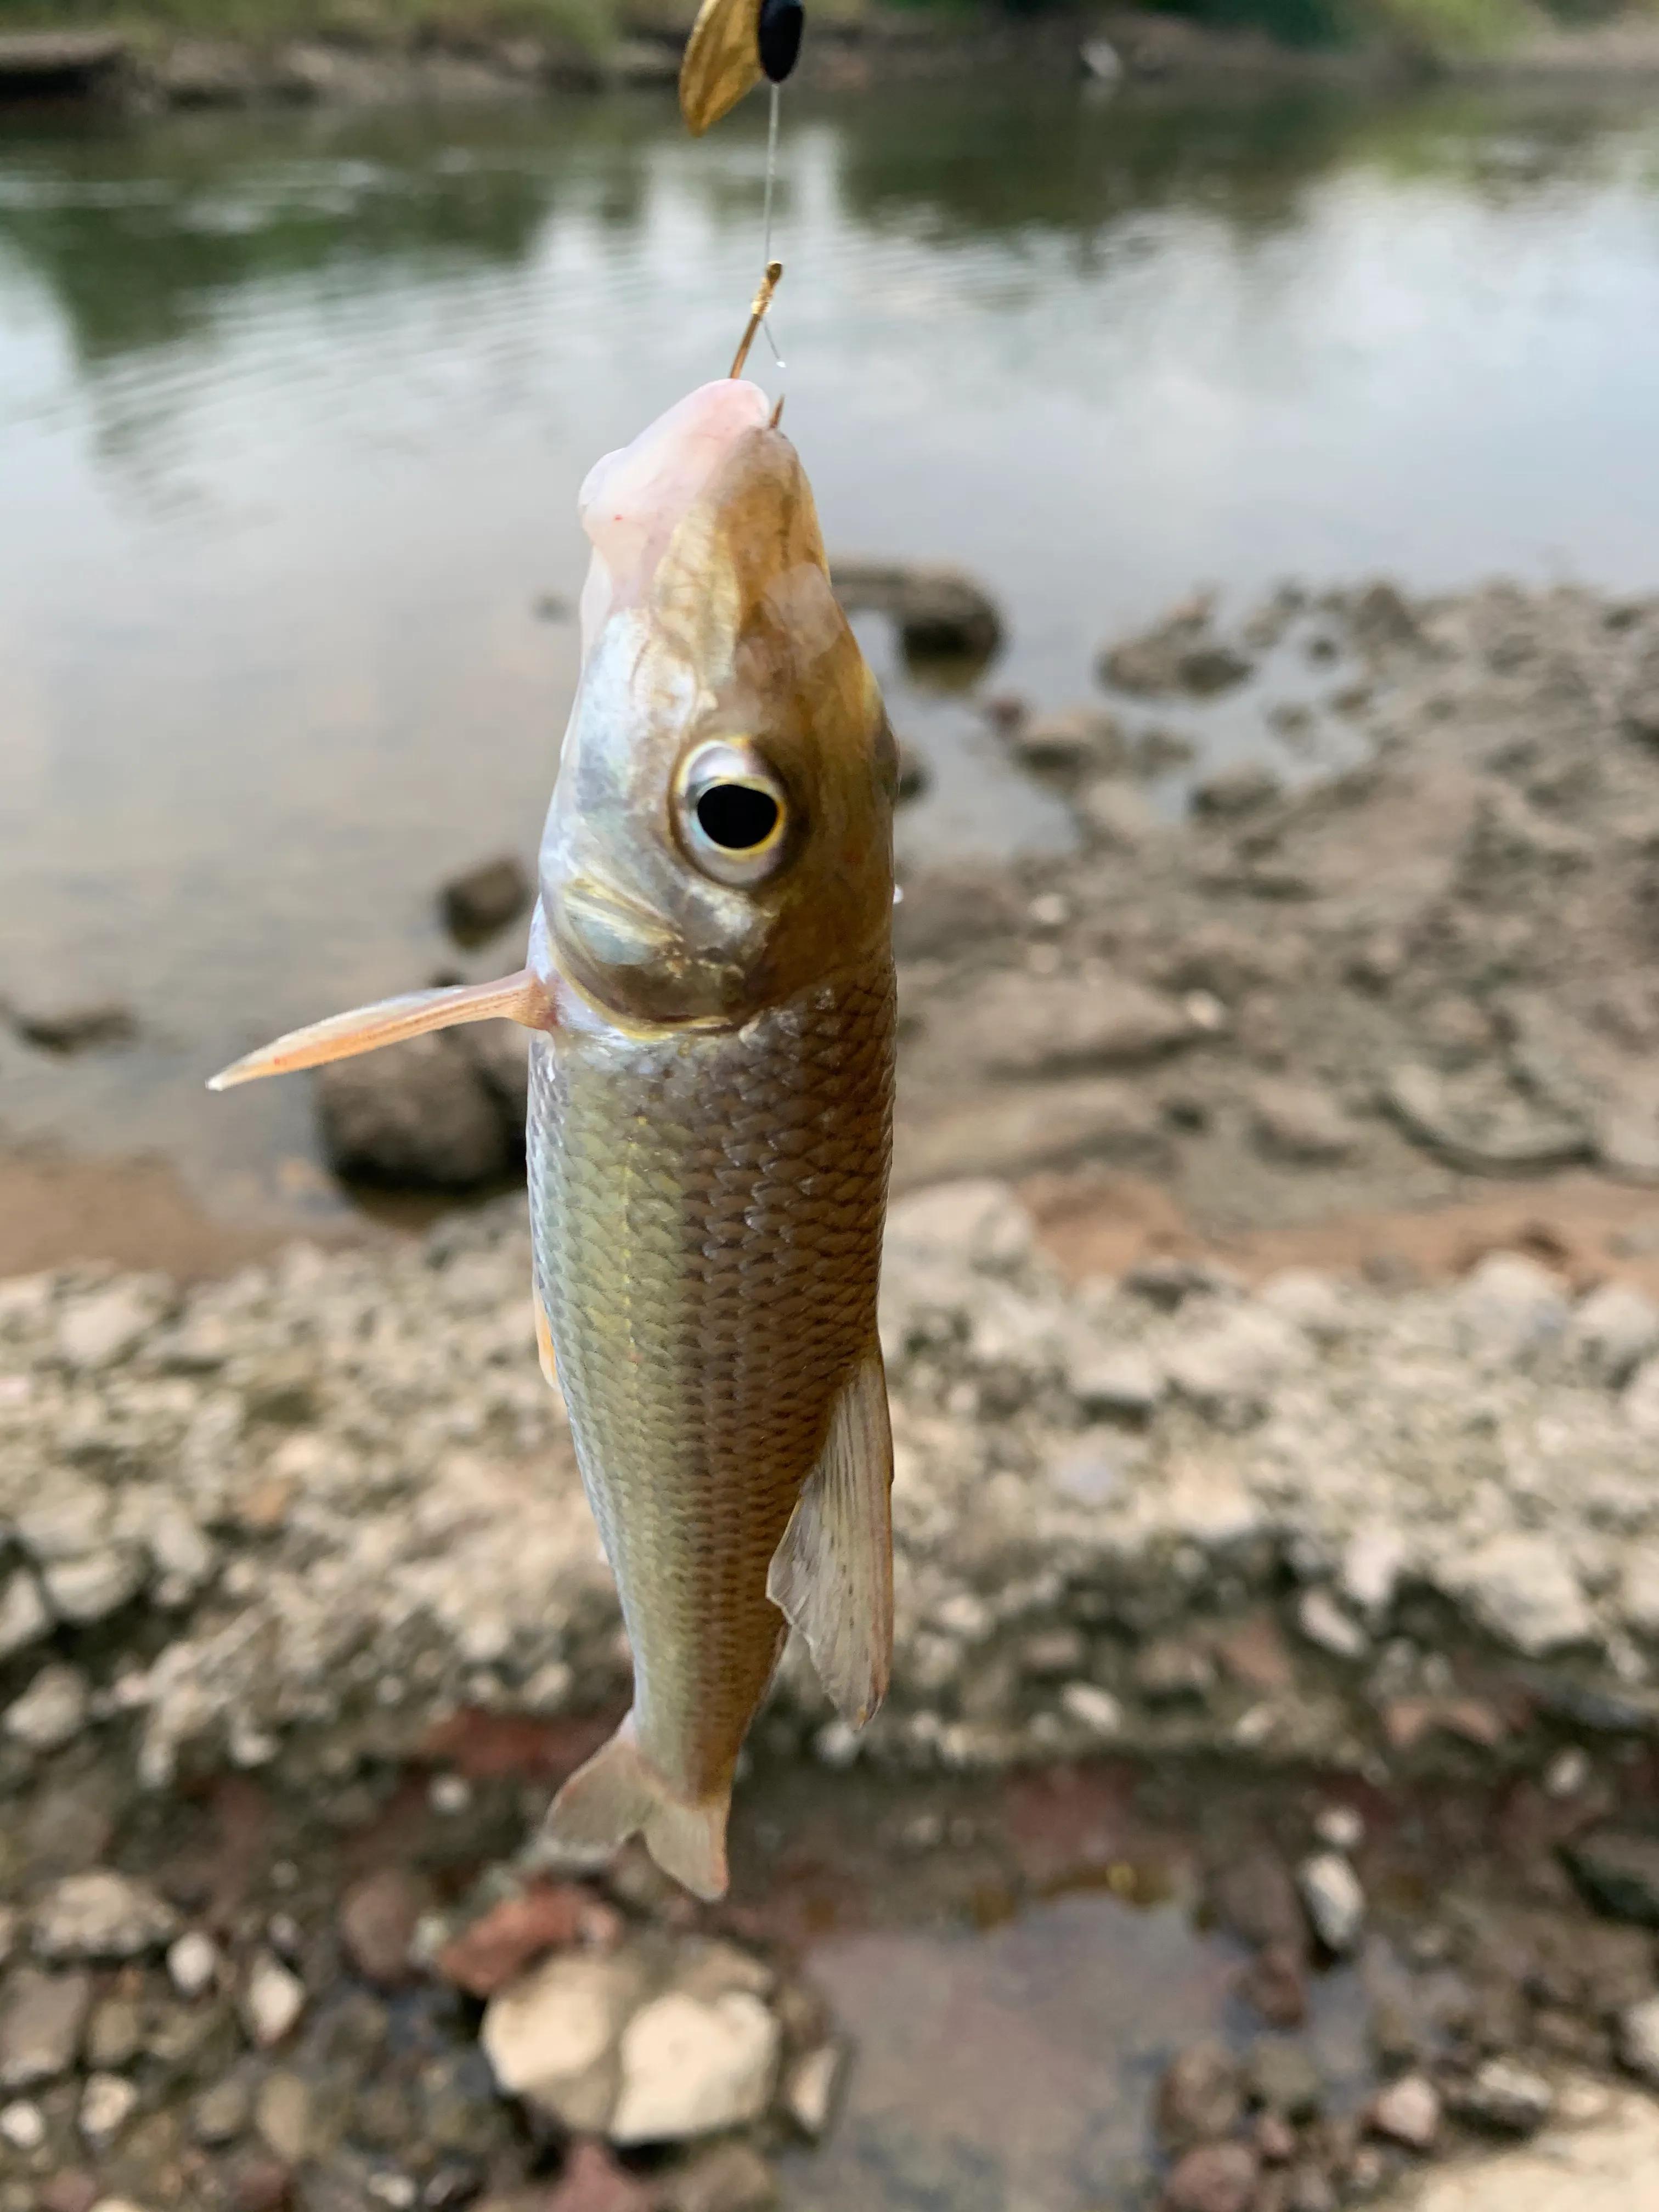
x=710, y=994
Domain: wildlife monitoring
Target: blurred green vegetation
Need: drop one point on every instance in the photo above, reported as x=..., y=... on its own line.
x=364, y=22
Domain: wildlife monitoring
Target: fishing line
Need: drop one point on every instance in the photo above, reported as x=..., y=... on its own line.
x=774, y=107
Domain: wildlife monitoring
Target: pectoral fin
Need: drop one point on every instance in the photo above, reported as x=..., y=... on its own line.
x=521, y=998
x=832, y=1575
x=721, y=60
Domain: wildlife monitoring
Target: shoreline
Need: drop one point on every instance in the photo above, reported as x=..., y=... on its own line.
x=151, y=70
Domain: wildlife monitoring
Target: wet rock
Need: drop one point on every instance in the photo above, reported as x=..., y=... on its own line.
x=418, y=1116
x=485, y=899
x=377, y=1919
x=1520, y=1589
x=41, y=2020
x=1280, y=2074
x=1505, y=2096
x=1035, y=1026
x=1380, y=620
x=1200, y=2097
x=941, y=613
x=1334, y=1900
x=1214, y=2177
x=205, y=73
x=692, y=2066
x=108, y=2103
x=1474, y=1124
x=1232, y=793
x=809, y=2088
x=24, y=1618
x=1300, y=1123
x=733, y=2177
x=1407, y=2112
x=102, y=1916
x=76, y=1027
x=271, y=2001
x=1618, y=1870
x=1110, y=811
x=1074, y=745
x=1177, y=654
x=1276, y=1983
x=1612, y=1331
x=51, y=1711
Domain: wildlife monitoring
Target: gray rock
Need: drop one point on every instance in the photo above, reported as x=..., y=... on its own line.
x=221, y=2113
x=1511, y=1306
x=76, y=1026
x=1229, y=1368
x=1479, y=1124
x=1336, y=1902
x=419, y=1115
x=1618, y=1870
x=22, y=2125
x=1280, y=2075
x=1111, y=812
x=976, y=1223
x=482, y=901
x=1015, y=1130
x=1300, y=1123
x=1200, y=2097
x=1092, y=1709
x=693, y=2066
x=1521, y=1589
x=1508, y=2097
x=940, y=613
x=206, y=73
x=41, y=2018
x=1323, y=1622
x=1214, y=2177
x=1177, y=654
x=24, y=1618
x=1612, y=1331
x=1072, y=745
x=102, y=1915
x=1050, y=1025
x=1230, y=792
x=272, y=2001
x=1639, y=1595
x=92, y=1587
x=67, y=1520
x=282, y=2115
x=1115, y=1379
x=1638, y=2040
x=115, y=2033
x=1407, y=2112
x=104, y=1327
x=51, y=1711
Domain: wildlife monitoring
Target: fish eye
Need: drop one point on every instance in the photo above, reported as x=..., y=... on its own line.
x=731, y=811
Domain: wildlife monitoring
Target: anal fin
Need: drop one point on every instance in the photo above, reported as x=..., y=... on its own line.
x=832, y=1575
x=522, y=998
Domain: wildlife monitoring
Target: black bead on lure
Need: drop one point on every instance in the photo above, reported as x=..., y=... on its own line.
x=733, y=44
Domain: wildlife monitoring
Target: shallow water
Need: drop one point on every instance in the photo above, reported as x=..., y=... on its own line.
x=294, y=409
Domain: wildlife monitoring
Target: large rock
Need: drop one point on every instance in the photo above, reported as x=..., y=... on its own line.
x=1050, y=1025
x=422, y=1116
x=694, y=2066
x=1519, y=1587
x=1179, y=654
x=41, y=2019
x=1606, y=2158
x=1481, y=1123
x=551, y=2037
x=485, y=899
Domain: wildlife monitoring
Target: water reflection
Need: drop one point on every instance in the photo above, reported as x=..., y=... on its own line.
x=294, y=409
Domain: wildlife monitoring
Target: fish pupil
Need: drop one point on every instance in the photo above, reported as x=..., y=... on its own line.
x=781, y=23
x=736, y=817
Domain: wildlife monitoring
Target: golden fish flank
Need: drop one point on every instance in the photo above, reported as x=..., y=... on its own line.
x=711, y=982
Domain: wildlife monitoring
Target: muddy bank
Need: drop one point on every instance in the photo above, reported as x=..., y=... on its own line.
x=309, y=1539
x=1401, y=949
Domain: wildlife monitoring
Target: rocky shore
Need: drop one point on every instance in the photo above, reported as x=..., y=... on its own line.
x=311, y=1540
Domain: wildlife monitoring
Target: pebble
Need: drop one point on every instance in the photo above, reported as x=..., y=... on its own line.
x=1638, y=2040
x=1618, y=1870
x=809, y=2086
x=1200, y=2097
x=1334, y=1900
x=99, y=1916
x=99, y=1331
x=1521, y=1587
x=23, y=2125
x=1407, y=2112
x=1092, y=1708
x=93, y=1587
x=1507, y=2096
x=221, y=2113
x=281, y=2116
x=1282, y=2076
x=272, y=2001
x=193, y=1963
x=1568, y=1773
x=24, y=1617
x=1323, y=1622
x=51, y=1711
x=41, y=2019
x=1340, y=1828
x=1612, y=1331
x=108, y=2103
x=377, y=1921
x=1214, y=2177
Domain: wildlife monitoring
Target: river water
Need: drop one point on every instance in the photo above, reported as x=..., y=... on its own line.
x=293, y=407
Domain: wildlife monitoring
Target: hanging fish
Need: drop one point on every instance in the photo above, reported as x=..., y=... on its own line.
x=710, y=990
x=733, y=44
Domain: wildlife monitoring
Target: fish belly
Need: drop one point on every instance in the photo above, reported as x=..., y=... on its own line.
x=707, y=1212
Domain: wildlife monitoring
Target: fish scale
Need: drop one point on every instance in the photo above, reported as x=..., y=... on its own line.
x=706, y=1218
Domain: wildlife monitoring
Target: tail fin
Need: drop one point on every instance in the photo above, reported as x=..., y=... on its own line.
x=618, y=1794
